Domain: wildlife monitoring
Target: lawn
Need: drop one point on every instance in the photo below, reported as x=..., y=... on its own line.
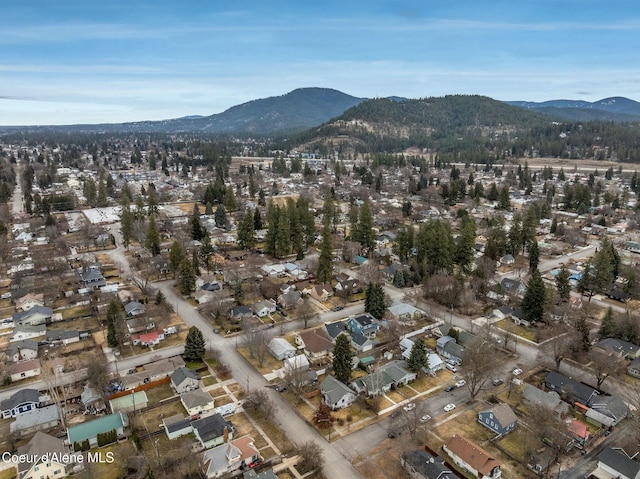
x=76, y=312
x=157, y=393
x=209, y=380
x=8, y=474
x=117, y=469
x=507, y=325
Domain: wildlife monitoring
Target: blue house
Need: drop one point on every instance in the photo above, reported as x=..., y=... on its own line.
x=364, y=324
x=22, y=401
x=499, y=419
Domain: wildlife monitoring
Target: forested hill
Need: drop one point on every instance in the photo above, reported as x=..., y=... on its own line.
x=618, y=109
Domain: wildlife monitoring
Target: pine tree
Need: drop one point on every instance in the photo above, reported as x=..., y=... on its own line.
x=176, y=256
x=208, y=209
x=257, y=219
x=152, y=239
x=195, y=262
x=342, y=359
x=197, y=230
x=534, y=298
x=220, y=217
x=465, y=248
x=374, y=301
x=324, y=273
x=563, y=286
x=418, y=358
x=534, y=255
x=115, y=324
x=245, y=234
x=398, y=279
x=206, y=252
x=365, y=234
x=187, y=278
x=126, y=225
x=283, y=236
x=504, y=202
x=608, y=325
x=194, y=346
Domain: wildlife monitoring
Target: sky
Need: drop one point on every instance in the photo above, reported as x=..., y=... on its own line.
x=69, y=62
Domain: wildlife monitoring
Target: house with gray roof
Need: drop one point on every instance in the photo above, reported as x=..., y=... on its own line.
x=420, y=464
x=22, y=350
x=134, y=308
x=33, y=317
x=281, y=349
x=549, y=400
x=184, y=379
x=607, y=411
x=227, y=458
x=622, y=349
x=336, y=394
x=62, y=336
x=447, y=347
x=27, y=332
x=38, y=419
x=38, y=452
x=176, y=426
x=197, y=402
x=404, y=311
x=22, y=401
x=92, y=278
x=212, y=430
x=616, y=463
x=335, y=329
x=500, y=419
x=360, y=343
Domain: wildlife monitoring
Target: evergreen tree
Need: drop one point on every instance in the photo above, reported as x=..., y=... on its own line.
x=208, y=209
x=152, y=238
x=245, y=234
x=206, y=252
x=563, y=286
x=418, y=358
x=195, y=262
x=608, y=325
x=342, y=359
x=534, y=298
x=398, y=279
x=365, y=234
x=465, y=248
x=230, y=199
x=194, y=346
x=220, y=216
x=197, y=230
x=534, y=255
x=257, y=219
x=126, y=225
x=273, y=212
x=324, y=273
x=404, y=242
x=160, y=298
x=374, y=301
x=504, y=202
x=176, y=256
x=583, y=330
x=283, y=236
x=554, y=226
x=187, y=278
x=115, y=324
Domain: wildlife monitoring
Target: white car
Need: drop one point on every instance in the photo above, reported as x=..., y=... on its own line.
x=409, y=406
x=461, y=383
x=425, y=418
x=517, y=372
x=449, y=407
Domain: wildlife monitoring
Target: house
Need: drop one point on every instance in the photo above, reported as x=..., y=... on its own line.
x=616, y=463
x=227, y=458
x=622, y=349
x=134, y=308
x=203, y=297
x=27, y=332
x=152, y=372
x=184, y=379
x=360, y=343
x=392, y=375
x=92, y=278
x=139, y=324
x=572, y=390
x=264, y=308
x=634, y=368
x=390, y=271
x=314, y=343
x=513, y=287
x=400, y=373
x=129, y=402
x=152, y=338
x=404, y=312
x=30, y=300
x=35, y=420
x=44, y=457
x=434, y=364
x=296, y=363
x=335, y=329
x=502, y=312
x=322, y=292
x=22, y=401
x=550, y=400
x=33, y=316
x=336, y=394
x=91, y=399
x=239, y=313
x=346, y=285
x=579, y=430
x=507, y=259
x=472, y=458
x=88, y=431
x=618, y=295
x=62, y=337
x=364, y=324
x=160, y=264
x=500, y=419
x=24, y=369
x=22, y=350
x=290, y=299
x=176, y=426
x=447, y=347
x=212, y=430
x=606, y=411
x=420, y=464
x=197, y=402
x=281, y=349
x=518, y=317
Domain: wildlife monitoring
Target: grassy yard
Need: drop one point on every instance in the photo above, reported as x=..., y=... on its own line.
x=157, y=393
x=209, y=380
x=118, y=468
x=75, y=312
x=507, y=325
x=8, y=474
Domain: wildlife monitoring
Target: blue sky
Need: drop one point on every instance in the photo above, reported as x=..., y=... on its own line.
x=64, y=62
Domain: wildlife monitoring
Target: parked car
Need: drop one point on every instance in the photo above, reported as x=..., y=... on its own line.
x=449, y=388
x=391, y=435
x=497, y=382
x=449, y=407
x=425, y=418
x=517, y=372
x=451, y=367
x=216, y=330
x=409, y=407
x=337, y=308
x=461, y=383
x=280, y=388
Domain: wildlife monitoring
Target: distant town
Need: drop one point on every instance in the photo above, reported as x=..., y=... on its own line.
x=175, y=307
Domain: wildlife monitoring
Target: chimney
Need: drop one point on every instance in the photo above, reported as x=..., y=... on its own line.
x=225, y=434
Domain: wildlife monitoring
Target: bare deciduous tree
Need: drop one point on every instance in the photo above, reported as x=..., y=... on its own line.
x=555, y=350
x=305, y=311
x=311, y=459
x=258, y=402
x=480, y=363
x=603, y=365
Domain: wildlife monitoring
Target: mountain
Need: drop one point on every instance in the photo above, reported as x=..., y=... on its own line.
x=447, y=123
x=296, y=111
x=617, y=109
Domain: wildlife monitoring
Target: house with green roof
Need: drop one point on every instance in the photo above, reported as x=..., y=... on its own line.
x=89, y=430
